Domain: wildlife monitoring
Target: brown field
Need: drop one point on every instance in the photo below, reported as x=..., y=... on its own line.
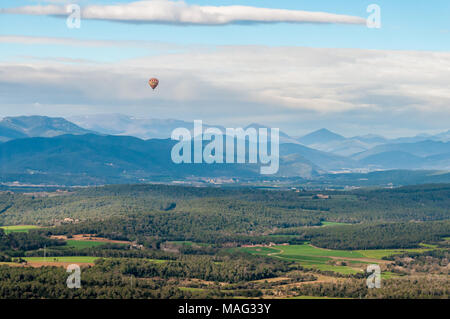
x=90, y=237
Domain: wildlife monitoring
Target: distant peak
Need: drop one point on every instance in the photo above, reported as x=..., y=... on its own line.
x=320, y=136
x=324, y=130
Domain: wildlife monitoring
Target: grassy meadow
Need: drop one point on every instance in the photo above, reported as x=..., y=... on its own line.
x=18, y=228
x=340, y=261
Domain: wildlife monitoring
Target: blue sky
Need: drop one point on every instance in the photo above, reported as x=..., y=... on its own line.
x=421, y=26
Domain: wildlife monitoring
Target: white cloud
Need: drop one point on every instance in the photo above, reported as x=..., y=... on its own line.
x=178, y=12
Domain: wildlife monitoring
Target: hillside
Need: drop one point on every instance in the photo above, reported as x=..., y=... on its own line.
x=102, y=159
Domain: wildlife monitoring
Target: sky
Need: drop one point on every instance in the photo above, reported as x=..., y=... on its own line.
x=297, y=65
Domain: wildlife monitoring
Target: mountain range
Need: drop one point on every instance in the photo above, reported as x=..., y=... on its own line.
x=118, y=148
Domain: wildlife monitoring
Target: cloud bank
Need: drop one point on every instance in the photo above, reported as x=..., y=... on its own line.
x=178, y=12
x=351, y=90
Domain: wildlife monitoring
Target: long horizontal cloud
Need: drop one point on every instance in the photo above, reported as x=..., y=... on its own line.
x=32, y=40
x=164, y=11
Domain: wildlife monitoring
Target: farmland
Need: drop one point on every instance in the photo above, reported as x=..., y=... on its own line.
x=380, y=253
x=63, y=259
x=157, y=241
x=80, y=244
x=327, y=259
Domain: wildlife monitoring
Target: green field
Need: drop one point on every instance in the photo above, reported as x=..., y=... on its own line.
x=308, y=250
x=308, y=256
x=305, y=251
x=346, y=270
x=157, y=261
x=326, y=224
x=264, y=251
x=80, y=244
x=65, y=259
x=313, y=257
x=18, y=228
x=380, y=253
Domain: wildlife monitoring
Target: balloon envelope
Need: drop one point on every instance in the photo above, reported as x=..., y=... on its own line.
x=153, y=82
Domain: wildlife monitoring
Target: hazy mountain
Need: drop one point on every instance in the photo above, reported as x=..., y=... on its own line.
x=346, y=147
x=393, y=160
x=412, y=139
x=118, y=124
x=371, y=139
x=323, y=139
x=323, y=160
x=327, y=141
x=440, y=161
x=421, y=149
x=420, y=155
x=441, y=137
x=320, y=137
x=36, y=126
x=444, y=137
x=112, y=124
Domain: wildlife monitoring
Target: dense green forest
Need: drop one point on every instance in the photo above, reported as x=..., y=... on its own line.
x=156, y=213
x=428, y=202
x=375, y=236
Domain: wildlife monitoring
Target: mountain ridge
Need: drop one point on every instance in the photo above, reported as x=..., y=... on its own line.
x=326, y=152
x=37, y=126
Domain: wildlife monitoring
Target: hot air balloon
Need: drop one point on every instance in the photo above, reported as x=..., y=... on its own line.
x=153, y=82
